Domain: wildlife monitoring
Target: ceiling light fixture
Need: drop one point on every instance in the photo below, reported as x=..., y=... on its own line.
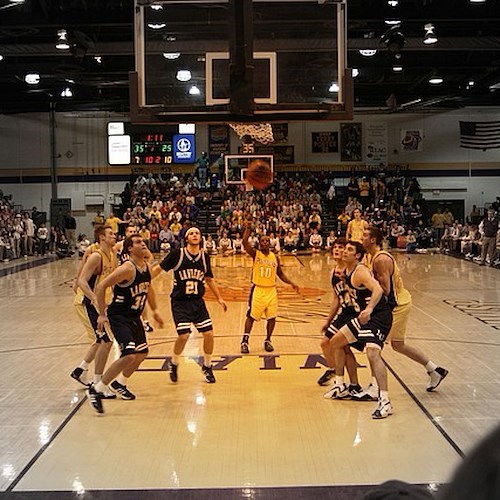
x=471, y=1
x=194, y=90
x=157, y=26
x=393, y=22
x=98, y=59
x=156, y=7
x=171, y=55
x=393, y=3
x=397, y=69
x=183, y=75
x=355, y=72
x=430, y=36
x=62, y=40
x=67, y=92
x=436, y=80
x=17, y=1
x=471, y=83
x=1, y=57
x=334, y=87
x=32, y=78
x=368, y=52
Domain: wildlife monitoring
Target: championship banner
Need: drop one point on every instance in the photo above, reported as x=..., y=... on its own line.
x=351, y=142
x=325, y=142
x=376, y=143
x=218, y=142
x=412, y=140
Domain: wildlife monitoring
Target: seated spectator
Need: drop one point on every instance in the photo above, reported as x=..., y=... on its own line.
x=330, y=240
x=226, y=245
x=315, y=241
x=165, y=246
x=395, y=232
x=63, y=247
x=209, y=246
x=411, y=242
x=82, y=244
x=290, y=242
x=238, y=243
x=274, y=243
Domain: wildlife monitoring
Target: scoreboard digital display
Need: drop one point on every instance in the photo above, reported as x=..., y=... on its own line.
x=148, y=144
x=152, y=149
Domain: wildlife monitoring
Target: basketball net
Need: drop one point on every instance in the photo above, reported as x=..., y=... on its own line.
x=260, y=132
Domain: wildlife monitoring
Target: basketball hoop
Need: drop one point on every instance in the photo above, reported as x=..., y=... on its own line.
x=261, y=132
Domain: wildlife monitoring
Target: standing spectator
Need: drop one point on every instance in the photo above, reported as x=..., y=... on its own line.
x=202, y=170
x=29, y=228
x=364, y=192
x=448, y=217
x=488, y=229
x=17, y=235
x=70, y=229
x=352, y=189
x=43, y=235
x=113, y=221
x=437, y=223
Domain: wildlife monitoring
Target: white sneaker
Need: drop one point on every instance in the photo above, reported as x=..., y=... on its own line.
x=340, y=391
x=436, y=377
x=382, y=410
x=369, y=393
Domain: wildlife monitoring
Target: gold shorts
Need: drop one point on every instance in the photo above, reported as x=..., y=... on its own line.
x=263, y=302
x=400, y=315
x=88, y=317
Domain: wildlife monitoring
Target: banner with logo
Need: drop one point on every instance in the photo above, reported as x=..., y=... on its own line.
x=412, y=140
x=325, y=142
x=184, y=148
x=351, y=142
x=218, y=141
x=376, y=143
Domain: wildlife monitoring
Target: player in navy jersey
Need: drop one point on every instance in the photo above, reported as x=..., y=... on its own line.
x=191, y=267
x=130, y=293
x=340, y=312
x=370, y=327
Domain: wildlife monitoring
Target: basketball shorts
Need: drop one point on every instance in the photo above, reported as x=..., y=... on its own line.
x=192, y=311
x=129, y=333
x=400, y=315
x=372, y=333
x=263, y=302
x=88, y=316
x=338, y=322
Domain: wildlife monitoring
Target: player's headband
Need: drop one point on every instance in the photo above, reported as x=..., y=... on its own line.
x=191, y=230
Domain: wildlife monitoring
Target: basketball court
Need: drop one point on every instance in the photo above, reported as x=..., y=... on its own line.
x=264, y=428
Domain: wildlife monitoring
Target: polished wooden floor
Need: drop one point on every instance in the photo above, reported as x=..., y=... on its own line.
x=264, y=425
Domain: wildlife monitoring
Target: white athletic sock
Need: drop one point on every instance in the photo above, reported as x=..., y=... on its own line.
x=374, y=382
x=430, y=366
x=339, y=380
x=97, y=378
x=84, y=365
x=207, y=359
x=100, y=386
x=121, y=379
x=384, y=395
x=175, y=358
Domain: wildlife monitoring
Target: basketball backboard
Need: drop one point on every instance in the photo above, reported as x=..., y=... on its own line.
x=240, y=61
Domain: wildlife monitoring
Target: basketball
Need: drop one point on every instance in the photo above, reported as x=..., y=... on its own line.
x=259, y=174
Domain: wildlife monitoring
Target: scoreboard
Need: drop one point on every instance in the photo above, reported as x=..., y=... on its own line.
x=134, y=144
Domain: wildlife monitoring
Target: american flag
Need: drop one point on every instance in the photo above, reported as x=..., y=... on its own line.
x=480, y=135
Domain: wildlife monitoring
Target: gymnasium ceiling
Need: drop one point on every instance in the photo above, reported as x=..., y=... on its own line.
x=466, y=56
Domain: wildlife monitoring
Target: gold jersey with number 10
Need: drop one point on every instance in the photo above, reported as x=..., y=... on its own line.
x=264, y=269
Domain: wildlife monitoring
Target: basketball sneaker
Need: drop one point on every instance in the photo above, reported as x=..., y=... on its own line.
x=95, y=399
x=209, y=374
x=370, y=393
x=172, y=371
x=337, y=392
x=436, y=377
x=382, y=410
x=122, y=390
x=354, y=389
x=268, y=346
x=79, y=374
x=244, y=348
x=329, y=373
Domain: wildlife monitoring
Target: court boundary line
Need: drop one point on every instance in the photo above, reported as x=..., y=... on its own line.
x=17, y=268
x=425, y=411
x=40, y=452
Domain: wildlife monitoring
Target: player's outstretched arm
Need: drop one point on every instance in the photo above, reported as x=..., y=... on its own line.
x=285, y=279
x=333, y=312
x=215, y=290
x=382, y=269
x=92, y=266
x=153, y=304
x=249, y=249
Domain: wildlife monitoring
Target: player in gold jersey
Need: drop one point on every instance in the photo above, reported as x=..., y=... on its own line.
x=263, y=299
x=387, y=273
x=99, y=264
x=356, y=227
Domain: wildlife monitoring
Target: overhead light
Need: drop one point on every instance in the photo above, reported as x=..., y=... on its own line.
x=17, y=1
x=393, y=22
x=98, y=59
x=156, y=7
x=393, y=3
x=368, y=52
x=334, y=87
x=471, y=83
x=183, y=75
x=430, y=36
x=157, y=26
x=1, y=57
x=471, y=1
x=436, y=80
x=62, y=40
x=397, y=69
x=67, y=92
x=32, y=78
x=171, y=55
x=194, y=90
x=171, y=38
x=393, y=39
x=355, y=72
